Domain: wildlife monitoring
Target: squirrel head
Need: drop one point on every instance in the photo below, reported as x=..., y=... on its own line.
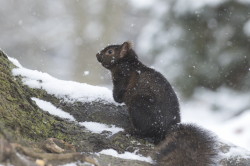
x=115, y=54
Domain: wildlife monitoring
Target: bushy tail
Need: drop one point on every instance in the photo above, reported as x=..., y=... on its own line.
x=187, y=145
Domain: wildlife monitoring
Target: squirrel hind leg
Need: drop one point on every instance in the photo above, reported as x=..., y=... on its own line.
x=188, y=145
x=149, y=118
x=145, y=118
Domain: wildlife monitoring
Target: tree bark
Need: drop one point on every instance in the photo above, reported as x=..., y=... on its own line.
x=25, y=129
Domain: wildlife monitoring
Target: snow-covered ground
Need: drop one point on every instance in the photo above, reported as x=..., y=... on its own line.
x=126, y=155
x=212, y=110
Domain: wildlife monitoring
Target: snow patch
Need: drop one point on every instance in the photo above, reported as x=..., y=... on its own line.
x=236, y=151
x=48, y=107
x=70, y=91
x=98, y=128
x=93, y=127
x=126, y=155
x=15, y=62
x=235, y=130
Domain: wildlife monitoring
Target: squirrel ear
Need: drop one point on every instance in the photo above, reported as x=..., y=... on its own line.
x=126, y=46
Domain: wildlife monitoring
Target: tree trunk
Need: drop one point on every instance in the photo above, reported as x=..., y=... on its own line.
x=26, y=131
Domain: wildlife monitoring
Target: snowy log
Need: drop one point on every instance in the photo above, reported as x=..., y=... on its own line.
x=46, y=120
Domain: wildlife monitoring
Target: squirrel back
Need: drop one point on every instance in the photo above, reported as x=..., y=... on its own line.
x=187, y=145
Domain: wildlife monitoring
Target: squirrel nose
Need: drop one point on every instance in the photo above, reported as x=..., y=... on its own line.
x=98, y=56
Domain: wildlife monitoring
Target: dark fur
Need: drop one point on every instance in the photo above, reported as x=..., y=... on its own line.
x=152, y=103
x=187, y=145
x=154, y=109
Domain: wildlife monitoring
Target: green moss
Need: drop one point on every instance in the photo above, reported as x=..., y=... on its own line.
x=20, y=115
x=25, y=122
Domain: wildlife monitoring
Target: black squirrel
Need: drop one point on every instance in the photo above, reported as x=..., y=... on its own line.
x=154, y=109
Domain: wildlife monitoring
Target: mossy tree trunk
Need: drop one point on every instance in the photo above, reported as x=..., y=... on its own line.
x=23, y=122
x=25, y=128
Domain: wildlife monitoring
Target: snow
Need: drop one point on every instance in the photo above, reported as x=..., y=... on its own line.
x=15, y=62
x=126, y=155
x=93, y=127
x=68, y=90
x=85, y=73
x=236, y=151
x=47, y=106
x=236, y=129
x=98, y=128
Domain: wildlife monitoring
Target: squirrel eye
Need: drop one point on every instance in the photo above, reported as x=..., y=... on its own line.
x=110, y=51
